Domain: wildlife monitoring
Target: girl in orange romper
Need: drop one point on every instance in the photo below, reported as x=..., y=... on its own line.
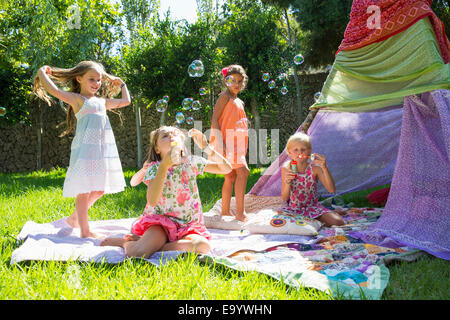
x=229, y=136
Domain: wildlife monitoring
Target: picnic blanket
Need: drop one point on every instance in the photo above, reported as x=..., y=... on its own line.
x=330, y=261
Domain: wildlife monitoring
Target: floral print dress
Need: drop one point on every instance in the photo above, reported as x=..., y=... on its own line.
x=303, y=197
x=179, y=210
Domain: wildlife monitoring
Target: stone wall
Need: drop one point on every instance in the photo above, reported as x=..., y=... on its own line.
x=19, y=147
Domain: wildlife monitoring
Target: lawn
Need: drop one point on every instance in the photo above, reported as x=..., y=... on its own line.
x=37, y=196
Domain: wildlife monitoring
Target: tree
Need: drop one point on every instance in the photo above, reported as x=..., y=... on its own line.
x=253, y=38
x=285, y=5
x=324, y=22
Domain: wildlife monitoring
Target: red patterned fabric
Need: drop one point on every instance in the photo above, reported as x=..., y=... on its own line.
x=395, y=16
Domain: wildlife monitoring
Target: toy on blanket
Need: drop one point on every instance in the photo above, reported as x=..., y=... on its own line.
x=280, y=222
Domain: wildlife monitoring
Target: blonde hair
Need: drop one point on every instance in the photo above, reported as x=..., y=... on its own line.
x=299, y=137
x=68, y=78
x=237, y=69
x=154, y=136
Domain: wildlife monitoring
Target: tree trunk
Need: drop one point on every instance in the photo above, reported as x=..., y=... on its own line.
x=255, y=113
x=297, y=85
x=39, y=128
x=138, y=134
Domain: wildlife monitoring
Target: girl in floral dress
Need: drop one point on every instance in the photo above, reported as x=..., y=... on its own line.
x=299, y=181
x=172, y=218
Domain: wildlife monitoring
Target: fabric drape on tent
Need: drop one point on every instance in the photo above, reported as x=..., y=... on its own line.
x=381, y=74
x=417, y=212
x=395, y=17
x=360, y=148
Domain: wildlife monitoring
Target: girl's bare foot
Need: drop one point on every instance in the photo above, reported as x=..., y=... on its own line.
x=72, y=220
x=90, y=234
x=241, y=217
x=131, y=237
x=115, y=242
x=225, y=214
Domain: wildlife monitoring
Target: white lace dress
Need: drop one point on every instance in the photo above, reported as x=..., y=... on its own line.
x=94, y=160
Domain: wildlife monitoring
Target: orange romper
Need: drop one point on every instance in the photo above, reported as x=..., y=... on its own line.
x=234, y=127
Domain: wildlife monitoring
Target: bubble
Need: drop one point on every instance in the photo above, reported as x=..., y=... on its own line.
x=319, y=98
x=202, y=91
x=187, y=103
x=229, y=81
x=272, y=84
x=196, y=69
x=161, y=105
x=196, y=105
x=189, y=120
x=299, y=59
x=284, y=90
x=266, y=77
x=166, y=98
x=2, y=111
x=179, y=117
x=282, y=76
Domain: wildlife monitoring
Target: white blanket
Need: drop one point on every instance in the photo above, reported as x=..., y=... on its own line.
x=57, y=241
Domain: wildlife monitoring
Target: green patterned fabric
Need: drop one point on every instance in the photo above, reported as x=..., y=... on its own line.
x=381, y=74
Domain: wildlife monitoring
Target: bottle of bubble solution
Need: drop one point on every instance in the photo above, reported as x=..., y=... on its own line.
x=294, y=166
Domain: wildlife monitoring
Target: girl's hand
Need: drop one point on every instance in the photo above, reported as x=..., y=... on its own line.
x=117, y=81
x=199, y=138
x=46, y=70
x=145, y=165
x=319, y=160
x=287, y=175
x=174, y=156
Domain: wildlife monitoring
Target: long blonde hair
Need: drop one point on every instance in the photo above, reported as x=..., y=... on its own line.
x=67, y=78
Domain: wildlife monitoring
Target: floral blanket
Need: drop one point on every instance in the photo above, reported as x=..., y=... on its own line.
x=334, y=262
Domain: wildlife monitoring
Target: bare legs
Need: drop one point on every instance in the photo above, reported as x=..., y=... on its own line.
x=79, y=217
x=155, y=239
x=238, y=178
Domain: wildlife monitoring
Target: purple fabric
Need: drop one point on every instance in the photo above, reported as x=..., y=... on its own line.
x=417, y=213
x=360, y=148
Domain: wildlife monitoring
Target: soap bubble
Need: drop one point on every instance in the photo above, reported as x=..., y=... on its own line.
x=265, y=77
x=166, y=98
x=284, y=90
x=161, y=105
x=179, y=117
x=282, y=76
x=196, y=69
x=202, y=91
x=187, y=103
x=189, y=120
x=229, y=81
x=272, y=84
x=2, y=111
x=196, y=105
x=319, y=98
x=299, y=59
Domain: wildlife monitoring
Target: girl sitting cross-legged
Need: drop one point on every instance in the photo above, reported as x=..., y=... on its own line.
x=172, y=218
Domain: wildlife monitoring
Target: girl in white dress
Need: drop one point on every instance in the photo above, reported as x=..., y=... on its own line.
x=95, y=166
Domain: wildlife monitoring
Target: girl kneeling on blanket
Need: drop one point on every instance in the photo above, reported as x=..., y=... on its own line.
x=172, y=218
x=299, y=181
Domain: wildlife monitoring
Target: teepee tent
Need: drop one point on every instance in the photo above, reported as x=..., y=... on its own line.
x=383, y=117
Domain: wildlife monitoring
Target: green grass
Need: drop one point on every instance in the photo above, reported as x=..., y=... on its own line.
x=37, y=196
